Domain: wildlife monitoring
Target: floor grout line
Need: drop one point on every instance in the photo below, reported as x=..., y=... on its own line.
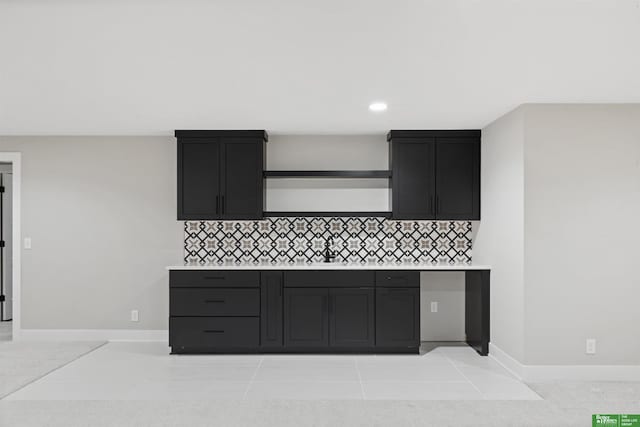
x=465, y=377
x=54, y=369
x=364, y=397
x=255, y=374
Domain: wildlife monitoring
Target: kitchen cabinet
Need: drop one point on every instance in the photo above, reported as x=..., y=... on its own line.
x=271, y=309
x=329, y=317
x=306, y=317
x=351, y=317
x=218, y=310
x=220, y=174
x=398, y=317
x=435, y=174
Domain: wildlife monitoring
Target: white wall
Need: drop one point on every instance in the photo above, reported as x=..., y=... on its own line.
x=560, y=209
x=332, y=152
x=101, y=212
x=447, y=289
x=499, y=240
x=582, y=198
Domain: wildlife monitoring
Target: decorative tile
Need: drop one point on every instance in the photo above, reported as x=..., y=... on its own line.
x=359, y=240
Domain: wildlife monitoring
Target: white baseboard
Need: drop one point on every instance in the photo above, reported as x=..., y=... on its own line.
x=159, y=335
x=539, y=373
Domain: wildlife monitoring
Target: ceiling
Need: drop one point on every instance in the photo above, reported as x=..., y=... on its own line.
x=146, y=67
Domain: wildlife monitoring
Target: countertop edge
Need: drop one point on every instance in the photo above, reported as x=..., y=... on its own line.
x=310, y=267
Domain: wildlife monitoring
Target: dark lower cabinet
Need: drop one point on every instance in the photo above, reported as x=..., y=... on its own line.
x=309, y=311
x=351, y=317
x=210, y=334
x=305, y=317
x=398, y=317
x=271, y=309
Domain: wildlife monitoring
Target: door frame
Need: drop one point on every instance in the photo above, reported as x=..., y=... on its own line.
x=15, y=158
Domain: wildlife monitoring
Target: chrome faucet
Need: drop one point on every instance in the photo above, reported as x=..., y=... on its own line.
x=329, y=255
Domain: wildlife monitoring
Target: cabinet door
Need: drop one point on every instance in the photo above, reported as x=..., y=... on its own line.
x=305, y=317
x=458, y=178
x=398, y=317
x=413, y=180
x=351, y=320
x=241, y=182
x=271, y=309
x=198, y=178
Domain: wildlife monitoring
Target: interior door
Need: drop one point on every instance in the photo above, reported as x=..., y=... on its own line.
x=198, y=178
x=242, y=182
x=458, y=178
x=305, y=317
x=7, y=250
x=413, y=179
x=351, y=317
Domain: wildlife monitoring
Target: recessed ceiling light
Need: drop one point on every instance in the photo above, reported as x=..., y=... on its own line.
x=377, y=107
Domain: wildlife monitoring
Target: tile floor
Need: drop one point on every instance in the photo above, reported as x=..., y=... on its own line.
x=145, y=371
x=6, y=331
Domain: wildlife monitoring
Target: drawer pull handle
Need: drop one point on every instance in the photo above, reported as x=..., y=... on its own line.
x=214, y=301
x=396, y=277
x=214, y=277
x=213, y=331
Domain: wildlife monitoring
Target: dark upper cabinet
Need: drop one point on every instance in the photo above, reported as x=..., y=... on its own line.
x=220, y=174
x=457, y=178
x=198, y=178
x=413, y=181
x=436, y=174
x=305, y=317
x=398, y=317
x=271, y=309
x=351, y=317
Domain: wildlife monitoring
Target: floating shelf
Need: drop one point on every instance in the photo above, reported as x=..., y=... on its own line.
x=329, y=174
x=385, y=214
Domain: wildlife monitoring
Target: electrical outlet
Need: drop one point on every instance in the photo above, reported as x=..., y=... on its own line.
x=434, y=306
x=591, y=346
x=134, y=315
x=27, y=242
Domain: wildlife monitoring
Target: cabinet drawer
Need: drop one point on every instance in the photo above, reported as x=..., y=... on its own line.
x=214, y=279
x=331, y=278
x=392, y=278
x=214, y=332
x=214, y=302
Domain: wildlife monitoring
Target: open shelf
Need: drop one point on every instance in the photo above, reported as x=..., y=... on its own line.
x=329, y=174
x=385, y=214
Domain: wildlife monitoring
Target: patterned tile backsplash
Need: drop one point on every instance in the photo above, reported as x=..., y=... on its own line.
x=302, y=240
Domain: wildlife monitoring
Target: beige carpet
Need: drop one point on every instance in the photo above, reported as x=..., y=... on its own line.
x=22, y=363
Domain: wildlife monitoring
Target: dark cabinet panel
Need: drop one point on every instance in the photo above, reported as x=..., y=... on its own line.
x=351, y=317
x=220, y=174
x=214, y=302
x=214, y=279
x=329, y=278
x=394, y=278
x=198, y=178
x=413, y=182
x=457, y=178
x=305, y=317
x=271, y=309
x=241, y=189
x=213, y=333
x=436, y=174
x=398, y=317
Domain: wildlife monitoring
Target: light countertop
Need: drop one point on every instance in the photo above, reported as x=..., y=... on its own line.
x=331, y=266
